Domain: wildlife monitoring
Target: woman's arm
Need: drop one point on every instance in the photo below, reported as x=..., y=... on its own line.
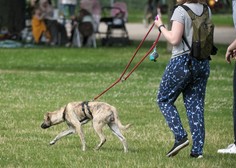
x=174, y=36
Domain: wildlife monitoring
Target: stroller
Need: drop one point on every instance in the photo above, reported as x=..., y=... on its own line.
x=115, y=17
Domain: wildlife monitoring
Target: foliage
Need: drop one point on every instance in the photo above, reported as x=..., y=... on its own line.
x=34, y=81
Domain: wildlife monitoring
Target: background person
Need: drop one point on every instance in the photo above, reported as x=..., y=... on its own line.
x=68, y=7
x=57, y=30
x=39, y=29
x=93, y=7
x=187, y=75
x=151, y=9
x=148, y=13
x=231, y=54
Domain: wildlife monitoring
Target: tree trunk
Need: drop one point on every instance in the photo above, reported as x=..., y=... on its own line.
x=12, y=15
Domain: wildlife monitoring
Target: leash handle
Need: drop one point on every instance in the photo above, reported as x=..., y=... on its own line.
x=156, y=18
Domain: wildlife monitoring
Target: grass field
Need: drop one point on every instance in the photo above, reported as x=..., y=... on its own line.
x=218, y=19
x=34, y=81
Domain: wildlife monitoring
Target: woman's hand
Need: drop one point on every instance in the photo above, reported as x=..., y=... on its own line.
x=230, y=55
x=158, y=21
x=231, y=52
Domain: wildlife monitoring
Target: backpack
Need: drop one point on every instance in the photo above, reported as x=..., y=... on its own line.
x=203, y=31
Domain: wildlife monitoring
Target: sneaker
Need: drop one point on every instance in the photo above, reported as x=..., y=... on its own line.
x=178, y=146
x=197, y=156
x=231, y=149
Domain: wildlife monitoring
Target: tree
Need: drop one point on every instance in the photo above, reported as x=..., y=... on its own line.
x=12, y=15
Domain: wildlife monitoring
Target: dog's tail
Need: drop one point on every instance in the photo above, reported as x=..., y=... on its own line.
x=123, y=127
x=118, y=122
x=120, y=125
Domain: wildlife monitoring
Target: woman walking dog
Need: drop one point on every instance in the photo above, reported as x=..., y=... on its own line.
x=187, y=75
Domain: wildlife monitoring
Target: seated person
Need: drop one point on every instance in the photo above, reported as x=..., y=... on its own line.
x=57, y=30
x=93, y=7
x=39, y=29
x=84, y=23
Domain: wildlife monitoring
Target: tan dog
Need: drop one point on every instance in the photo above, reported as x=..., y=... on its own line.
x=76, y=114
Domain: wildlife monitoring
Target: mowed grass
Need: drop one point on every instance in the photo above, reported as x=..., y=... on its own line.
x=218, y=19
x=35, y=81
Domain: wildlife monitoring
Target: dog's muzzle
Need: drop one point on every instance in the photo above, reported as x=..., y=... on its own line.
x=44, y=126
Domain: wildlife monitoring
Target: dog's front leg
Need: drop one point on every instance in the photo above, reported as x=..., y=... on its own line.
x=62, y=134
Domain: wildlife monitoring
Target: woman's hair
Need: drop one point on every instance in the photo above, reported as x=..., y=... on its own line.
x=190, y=1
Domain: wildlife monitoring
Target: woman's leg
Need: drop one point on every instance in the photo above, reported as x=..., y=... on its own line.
x=174, y=80
x=194, y=96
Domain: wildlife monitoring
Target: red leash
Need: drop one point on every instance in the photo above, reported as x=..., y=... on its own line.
x=136, y=66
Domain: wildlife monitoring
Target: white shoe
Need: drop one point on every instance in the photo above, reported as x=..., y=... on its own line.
x=231, y=149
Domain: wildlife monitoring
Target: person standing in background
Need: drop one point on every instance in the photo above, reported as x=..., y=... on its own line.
x=148, y=13
x=151, y=9
x=231, y=54
x=68, y=7
x=57, y=30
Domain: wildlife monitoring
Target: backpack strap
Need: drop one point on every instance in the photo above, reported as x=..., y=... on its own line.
x=189, y=11
x=186, y=42
x=192, y=14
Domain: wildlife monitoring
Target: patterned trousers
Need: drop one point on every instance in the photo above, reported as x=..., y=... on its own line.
x=188, y=76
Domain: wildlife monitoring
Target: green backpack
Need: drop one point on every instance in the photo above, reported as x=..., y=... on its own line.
x=203, y=31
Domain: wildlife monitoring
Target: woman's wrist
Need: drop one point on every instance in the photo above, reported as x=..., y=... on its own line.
x=159, y=27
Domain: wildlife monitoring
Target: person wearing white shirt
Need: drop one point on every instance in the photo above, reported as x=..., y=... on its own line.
x=69, y=7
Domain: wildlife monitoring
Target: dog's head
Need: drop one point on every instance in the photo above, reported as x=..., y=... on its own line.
x=47, y=121
x=53, y=118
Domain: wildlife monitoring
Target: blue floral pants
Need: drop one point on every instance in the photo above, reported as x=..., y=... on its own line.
x=188, y=76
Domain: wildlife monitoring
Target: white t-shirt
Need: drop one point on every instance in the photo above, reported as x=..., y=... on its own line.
x=181, y=15
x=71, y=2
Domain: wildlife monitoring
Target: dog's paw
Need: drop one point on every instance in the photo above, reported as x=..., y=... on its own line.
x=83, y=149
x=97, y=148
x=52, y=143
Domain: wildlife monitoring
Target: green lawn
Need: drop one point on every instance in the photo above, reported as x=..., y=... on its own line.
x=218, y=19
x=34, y=81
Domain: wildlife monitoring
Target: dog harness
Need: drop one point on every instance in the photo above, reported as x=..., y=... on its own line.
x=84, y=106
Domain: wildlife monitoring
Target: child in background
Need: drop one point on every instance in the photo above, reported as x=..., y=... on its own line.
x=39, y=29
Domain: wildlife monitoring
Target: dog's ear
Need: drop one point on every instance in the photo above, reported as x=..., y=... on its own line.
x=48, y=117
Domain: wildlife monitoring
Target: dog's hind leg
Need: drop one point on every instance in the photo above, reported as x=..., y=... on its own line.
x=80, y=132
x=115, y=129
x=62, y=134
x=98, y=128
